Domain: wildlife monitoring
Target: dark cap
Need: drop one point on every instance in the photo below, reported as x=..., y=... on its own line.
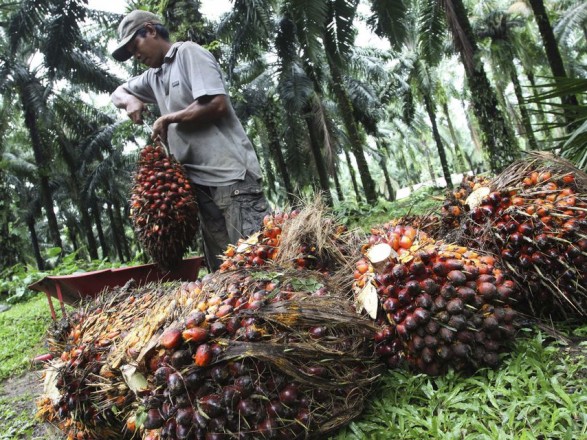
x=127, y=29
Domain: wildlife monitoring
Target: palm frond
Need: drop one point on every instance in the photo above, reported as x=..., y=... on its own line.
x=339, y=30
x=574, y=18
x=85, y=72
x=431, y=31
x=386, y=20
x=25, y=21
x=295, y=87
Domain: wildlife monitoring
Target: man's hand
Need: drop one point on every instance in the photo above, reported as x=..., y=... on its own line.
x=134, y=106
x=135, y=109
x=160, y=129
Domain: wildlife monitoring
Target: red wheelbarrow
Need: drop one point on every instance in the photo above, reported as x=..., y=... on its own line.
x=70, y=289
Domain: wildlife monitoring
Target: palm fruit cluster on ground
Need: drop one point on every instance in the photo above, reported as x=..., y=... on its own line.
x=242, y=354
x=163, y=208
x=456, y=203
x=308, y=239
x=534, y=219
x=440, y=305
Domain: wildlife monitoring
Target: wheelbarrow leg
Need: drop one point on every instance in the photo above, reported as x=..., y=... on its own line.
x=51, y=306
x=60, y=297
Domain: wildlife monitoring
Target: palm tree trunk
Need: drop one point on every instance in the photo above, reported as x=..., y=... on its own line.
x=42, y=164
x=277, y=153
x=353, y=176
x=437, y=139
x=552, y=53
x=346, y=112
x=460, y=165
x=474, y=134
x=315, y=146
x=98, y=222
x=339, y=192
x=87, y=224
x=120, y=229
x=526, y=121
x=501, y=147
x=35, y=244
x=115, y=234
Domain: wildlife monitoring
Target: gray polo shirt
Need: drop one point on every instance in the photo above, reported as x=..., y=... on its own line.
x=217, y=154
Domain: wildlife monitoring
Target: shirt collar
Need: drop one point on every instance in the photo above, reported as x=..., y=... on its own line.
x=169, y=56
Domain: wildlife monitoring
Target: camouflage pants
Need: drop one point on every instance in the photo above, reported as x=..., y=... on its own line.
x=228, y=213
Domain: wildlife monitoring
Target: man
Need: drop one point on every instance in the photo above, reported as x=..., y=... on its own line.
x=199, y=125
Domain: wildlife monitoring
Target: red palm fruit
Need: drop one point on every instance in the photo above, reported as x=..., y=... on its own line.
x=203, y=356
x=195, y=334
x=171, y=338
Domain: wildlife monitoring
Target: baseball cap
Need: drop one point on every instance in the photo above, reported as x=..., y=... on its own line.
x=127, y=29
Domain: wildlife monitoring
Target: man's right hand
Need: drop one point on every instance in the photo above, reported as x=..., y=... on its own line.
x=134, y=106
x=135, y=109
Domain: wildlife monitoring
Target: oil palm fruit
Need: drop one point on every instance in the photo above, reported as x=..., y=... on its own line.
x=241, y=354
x=163, y=208
x=443, y=305
x=535, y=220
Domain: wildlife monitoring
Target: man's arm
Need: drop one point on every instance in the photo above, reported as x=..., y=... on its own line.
x=204, y=110
x=134, y=106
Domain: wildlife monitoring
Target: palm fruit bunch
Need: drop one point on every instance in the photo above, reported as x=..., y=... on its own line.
x=439, y=305
x=457, y=201
x=261, y=247
x=163, y=207
x=302, y=239
x=534, y=219
x=242, y=354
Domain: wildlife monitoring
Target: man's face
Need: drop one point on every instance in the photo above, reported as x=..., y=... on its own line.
x=145, y=49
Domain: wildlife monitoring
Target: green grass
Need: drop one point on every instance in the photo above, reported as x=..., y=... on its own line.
x=22, y=330
x=540, y=392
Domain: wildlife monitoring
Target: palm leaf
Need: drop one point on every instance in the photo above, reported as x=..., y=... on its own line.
x=386, y=20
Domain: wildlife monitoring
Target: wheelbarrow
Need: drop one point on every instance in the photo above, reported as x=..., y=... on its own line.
x=70, y=289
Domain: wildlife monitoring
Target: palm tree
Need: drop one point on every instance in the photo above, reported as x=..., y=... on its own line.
x=497, y=26
x=338, y=33
x=552, y=53
x=501, y=147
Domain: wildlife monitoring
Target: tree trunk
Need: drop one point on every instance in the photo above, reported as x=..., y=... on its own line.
x=98, y=221
x=315, y=146
x=87, y=224
x=353, y=176
x=339, y=193
x=501, y=147
x=474, y=135
x=526, y=121
x=437, y=139
x=120, y=221
x=552, y=54
x=460, y=162
x=346, y=112
x=43, y=167
x=277, y=153
x=388, y=184
x=35, y=244
x=115, y=236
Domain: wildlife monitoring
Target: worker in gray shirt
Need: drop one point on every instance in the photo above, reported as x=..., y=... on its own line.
x=199, y=125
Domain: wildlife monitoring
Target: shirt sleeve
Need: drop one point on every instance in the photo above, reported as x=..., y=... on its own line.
x=139, y=86
x=201, y=71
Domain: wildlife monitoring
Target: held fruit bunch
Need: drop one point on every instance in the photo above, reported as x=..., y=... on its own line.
x=444, y=305
x=163, y=208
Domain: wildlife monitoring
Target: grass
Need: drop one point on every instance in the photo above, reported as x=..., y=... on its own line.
x=22, y=329
x=540, y=392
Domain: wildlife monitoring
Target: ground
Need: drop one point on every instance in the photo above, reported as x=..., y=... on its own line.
x=17, y=407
